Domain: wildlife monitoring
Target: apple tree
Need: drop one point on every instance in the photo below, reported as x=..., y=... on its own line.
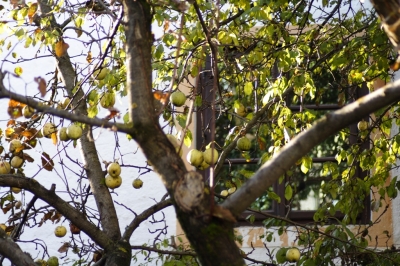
x=237, y=66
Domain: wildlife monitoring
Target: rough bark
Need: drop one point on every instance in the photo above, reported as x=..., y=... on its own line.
x=210, y=237
x=389, y=12
x=12, y=251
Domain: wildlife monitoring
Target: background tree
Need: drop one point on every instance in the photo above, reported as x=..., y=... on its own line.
x=264, y=54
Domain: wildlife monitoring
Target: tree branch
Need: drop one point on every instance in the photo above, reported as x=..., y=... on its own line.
x=143, y=216
x=4, y=93
x=169, y=252
x=13, y=252
x=299, y=146
x=59, y=204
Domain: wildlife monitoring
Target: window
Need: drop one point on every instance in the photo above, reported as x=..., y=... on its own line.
x=307, y=188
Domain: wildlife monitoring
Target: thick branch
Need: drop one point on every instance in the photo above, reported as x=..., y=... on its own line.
x=389, y=12
x=143, y=216
x=94, y=172
x=298, y=147
x=13, y=252
x=59, y=204
x=4, y=93
x=168, y=252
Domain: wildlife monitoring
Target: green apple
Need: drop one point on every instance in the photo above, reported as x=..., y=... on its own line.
x=243, y=144
x=107, y=100
x=48, y=129
x=362, y=125
x=17, y=162
x=114, y=169
x=293, y=254
x=60, y=231
x=28, y=111
x=210, y=156
x=113, y=182
x=52, y=261
x=178, y=98
x=137, y=183
x=62, y=134
x=195, y=157
x=74, y=131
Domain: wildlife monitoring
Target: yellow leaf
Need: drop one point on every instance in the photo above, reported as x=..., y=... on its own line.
x=54, y=138
x=32, y=11
x=60, y=48
x=89, y=57
x=18, y=71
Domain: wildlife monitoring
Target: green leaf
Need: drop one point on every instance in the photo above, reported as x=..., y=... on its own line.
x=198, y=101
x=181, y=120
x=248, y=88
x=288, y=192
x=274, y=196
x=188, y=138
x=92, y=111
x=306, y=164
x=126, y=118
x=174, y=263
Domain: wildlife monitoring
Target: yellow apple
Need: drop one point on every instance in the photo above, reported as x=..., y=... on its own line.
x=195, y=157
x=48, y=129
x=28, y=111
x=203, y=166
x=232, y=190
x=224, y=193
x=16, y=190
x=293, y=254
x=113, y=182
x=5, y=167
x=17, y=162
x=60, y=231
x=114, y=169
x=137, y=183
x=74, y=131
x=210, y=156
x=62, y=134
x=40, y=262
x=15, y=145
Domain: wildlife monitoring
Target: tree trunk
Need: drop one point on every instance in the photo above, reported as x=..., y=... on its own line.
x=212, y=238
